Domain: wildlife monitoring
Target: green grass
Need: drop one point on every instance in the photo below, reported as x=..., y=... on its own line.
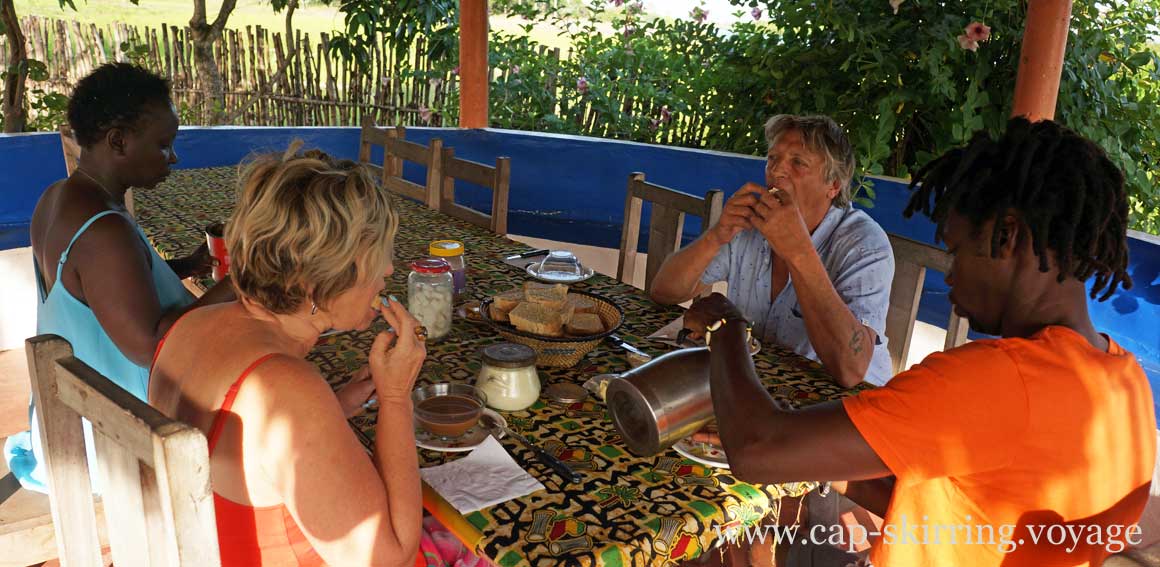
x=311, y=17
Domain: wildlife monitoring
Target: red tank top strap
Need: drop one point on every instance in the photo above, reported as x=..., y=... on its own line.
x=218, y=423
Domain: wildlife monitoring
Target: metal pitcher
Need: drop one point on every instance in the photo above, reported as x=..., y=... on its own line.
x=661, y=402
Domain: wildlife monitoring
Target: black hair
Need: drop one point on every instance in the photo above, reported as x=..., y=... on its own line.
x=116, y=95
x=1062, y=185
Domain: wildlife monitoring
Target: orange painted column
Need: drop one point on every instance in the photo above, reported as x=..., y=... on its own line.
x=473, y=71
x=1041, y=59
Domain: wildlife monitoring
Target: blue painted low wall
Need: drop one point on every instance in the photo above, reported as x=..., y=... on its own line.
x=572, y=189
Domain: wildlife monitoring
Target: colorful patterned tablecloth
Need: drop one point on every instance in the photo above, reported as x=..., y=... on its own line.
x=629, y=510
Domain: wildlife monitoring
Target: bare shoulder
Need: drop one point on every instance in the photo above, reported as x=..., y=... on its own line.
x=288, y=385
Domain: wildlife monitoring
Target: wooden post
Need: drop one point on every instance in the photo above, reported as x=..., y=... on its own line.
x=1041, y=59
x=473, y=69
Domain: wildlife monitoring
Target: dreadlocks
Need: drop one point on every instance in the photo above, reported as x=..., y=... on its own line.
x=1063, y=186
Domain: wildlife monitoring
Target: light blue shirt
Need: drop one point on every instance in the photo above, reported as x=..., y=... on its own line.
x=859, y=260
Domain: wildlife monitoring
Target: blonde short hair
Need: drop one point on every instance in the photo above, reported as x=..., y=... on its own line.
x=822, y=135
x=306, y=228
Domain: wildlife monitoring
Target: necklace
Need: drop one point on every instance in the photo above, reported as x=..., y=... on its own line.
x=101, y=185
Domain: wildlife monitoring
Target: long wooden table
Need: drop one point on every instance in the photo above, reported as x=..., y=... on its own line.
x=629, y=510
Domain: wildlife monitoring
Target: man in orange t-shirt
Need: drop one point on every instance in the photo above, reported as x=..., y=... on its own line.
x=1033, y=449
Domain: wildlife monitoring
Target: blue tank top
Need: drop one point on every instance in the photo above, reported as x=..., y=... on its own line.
x=59, y=313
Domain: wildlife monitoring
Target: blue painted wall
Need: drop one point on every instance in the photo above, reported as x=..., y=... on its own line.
x=572, y=189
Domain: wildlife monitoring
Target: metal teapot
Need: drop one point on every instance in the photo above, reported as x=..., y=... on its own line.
x=659, y=403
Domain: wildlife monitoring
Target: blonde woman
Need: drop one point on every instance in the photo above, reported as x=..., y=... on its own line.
x=310, y=243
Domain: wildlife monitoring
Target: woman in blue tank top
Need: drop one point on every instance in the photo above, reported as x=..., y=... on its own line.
x=102, y=287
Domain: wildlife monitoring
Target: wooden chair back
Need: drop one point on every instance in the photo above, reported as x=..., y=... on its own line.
x=497, y=179
x=666, y=223
x=158, y=505
x=911, y=260
x=396, y=150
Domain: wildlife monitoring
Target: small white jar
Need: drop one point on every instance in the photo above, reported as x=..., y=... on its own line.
x=429, y=296
x=508, y=376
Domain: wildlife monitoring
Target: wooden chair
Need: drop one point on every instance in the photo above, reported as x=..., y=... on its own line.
x=72, y=156
x=911, y=260
x=495, y=178
x=396, y=149
x=665, y=225
x=157, y=500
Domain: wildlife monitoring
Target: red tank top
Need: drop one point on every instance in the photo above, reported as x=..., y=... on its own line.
x=252, y=536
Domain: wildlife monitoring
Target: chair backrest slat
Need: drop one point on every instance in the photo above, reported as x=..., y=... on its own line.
x=496, y=179
x=911, y=261
x=396, y=150
x=158, y=501
x=666, y=223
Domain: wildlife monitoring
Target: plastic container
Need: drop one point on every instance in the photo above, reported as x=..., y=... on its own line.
x=452, y=252
x=430, y=296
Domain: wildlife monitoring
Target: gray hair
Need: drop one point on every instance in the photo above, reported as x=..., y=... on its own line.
x=822, y=135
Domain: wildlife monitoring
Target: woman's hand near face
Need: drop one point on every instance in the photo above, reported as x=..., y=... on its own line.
x=397, y=355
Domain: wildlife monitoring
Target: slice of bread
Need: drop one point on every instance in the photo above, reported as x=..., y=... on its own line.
x=581, y=304
x=537, y=319
x=560, y=291
x=498, y=314
x=585, y=324
x=508, y=300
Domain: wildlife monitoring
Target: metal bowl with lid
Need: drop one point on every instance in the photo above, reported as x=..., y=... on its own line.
x=508, y=376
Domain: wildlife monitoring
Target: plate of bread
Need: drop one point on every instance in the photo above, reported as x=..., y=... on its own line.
x=560, y=324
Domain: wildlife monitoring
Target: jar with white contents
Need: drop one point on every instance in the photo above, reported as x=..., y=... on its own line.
x=429, y=296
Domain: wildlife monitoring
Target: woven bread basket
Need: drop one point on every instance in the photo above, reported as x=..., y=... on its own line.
x=560, y=351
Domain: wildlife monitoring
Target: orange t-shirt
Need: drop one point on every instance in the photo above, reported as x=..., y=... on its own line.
x=1002, y=443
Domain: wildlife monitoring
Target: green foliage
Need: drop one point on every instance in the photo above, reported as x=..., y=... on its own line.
x=902, y=84
x=401, y=22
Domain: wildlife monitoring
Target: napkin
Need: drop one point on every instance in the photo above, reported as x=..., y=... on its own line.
x=668, y=334
x=486, y=477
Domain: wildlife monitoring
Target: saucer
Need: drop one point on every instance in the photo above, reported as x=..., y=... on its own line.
x=704, y=453
x=559, y=277
x=466, y=442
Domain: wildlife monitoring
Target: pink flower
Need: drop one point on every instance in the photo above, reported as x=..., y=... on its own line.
x=652, y=124
x=666, y=116
x=756, y=13
x=629, y=29
x=895, y=4
x=455, y=71
x=699, y=15
x=582, y=85
x=978, y=31
x=967, y=43
x=635, y=8
x=515, y=69
x=617, y=2
x=425, y=114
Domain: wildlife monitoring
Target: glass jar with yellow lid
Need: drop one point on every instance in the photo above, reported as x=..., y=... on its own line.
x=452, y=252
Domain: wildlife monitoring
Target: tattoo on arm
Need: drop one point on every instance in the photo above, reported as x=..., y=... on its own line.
x=856, y=339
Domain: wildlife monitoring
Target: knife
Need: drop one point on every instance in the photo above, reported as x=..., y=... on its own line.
x=543, y=456
x=532, y=254
x=616, y=340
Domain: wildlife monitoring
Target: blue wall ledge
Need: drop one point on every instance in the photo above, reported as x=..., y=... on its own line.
x=571, y=188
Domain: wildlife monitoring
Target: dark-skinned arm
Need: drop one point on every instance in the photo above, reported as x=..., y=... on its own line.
x=783, y=445
x=116, y=282
x=873, y=495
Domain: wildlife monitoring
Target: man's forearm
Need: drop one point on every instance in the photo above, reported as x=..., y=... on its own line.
x=679, y=278
x=844, y=345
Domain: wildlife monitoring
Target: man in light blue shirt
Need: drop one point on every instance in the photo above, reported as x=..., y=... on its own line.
x=808, y=269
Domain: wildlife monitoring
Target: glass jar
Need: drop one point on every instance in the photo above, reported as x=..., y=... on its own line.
x=452, y=252
x=508, y=376
x=429, y=296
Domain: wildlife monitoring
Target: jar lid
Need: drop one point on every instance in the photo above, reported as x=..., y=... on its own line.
x=431, y=266
x=567, y=393
x=446, y=248
x=508, y=355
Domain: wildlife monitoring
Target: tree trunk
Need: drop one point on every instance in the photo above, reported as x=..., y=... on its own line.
x=209, y=77
x=14, y=84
